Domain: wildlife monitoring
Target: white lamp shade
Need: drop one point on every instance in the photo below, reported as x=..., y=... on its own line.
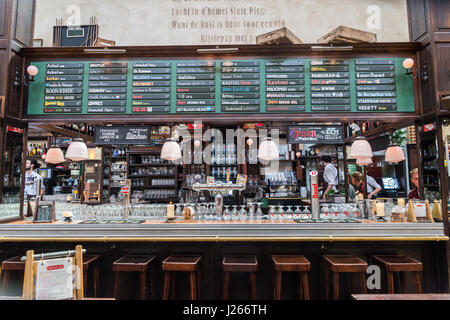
x=268, y=150
x=54, y=155
x=360, y=149
x=77, y=150
x=394, y=154
x=364, y=162
x=171, y=151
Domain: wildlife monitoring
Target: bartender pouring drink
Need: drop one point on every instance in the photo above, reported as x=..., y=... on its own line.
x=31, y=179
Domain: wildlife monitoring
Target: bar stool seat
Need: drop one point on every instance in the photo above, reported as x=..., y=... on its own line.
x=342, y=264
x=399, y=264
x=291, y=263
x=134, y=263
x=239, y=263
x=182, y=263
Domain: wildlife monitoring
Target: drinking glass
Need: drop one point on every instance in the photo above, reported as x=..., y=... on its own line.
x=306, y=212
x=297, y=212
x=280, y=213
x=226, y=213
x=259, y=213
x=234, y=213
x=243, y=213
x=272, y=212
x=289, y=213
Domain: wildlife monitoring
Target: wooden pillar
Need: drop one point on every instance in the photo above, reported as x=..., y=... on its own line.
x=442, y=173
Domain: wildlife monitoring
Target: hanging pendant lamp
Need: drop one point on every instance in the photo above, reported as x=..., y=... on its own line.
x=364, y=162
x=360, y=149
x=54, y=155
x=394, y=154
x=268, y=150
x=77, y=150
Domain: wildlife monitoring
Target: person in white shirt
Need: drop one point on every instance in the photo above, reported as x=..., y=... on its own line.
x=31, y=178
x=330, y=176
x=372, y=187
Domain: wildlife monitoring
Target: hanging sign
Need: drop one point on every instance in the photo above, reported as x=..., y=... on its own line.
x=315, y=134
x=115, y=135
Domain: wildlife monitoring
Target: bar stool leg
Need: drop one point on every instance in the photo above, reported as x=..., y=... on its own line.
x=199, y=282
x=253, y=285
x=226, y=285
x=116, y=285
x=300, y=286
x=143, y=284
x=390, y=282
x=193, y=279
x=326, y=276
x=336, y=285
x=172, y=285
x=363, y=282
x=96, y=279
x=305, y=285
x=278, y=279
x=85, y=288
x=152, y=283
x=166, y=285
x=417, y=281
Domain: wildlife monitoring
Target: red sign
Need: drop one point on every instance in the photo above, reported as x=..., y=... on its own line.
x=315, y=194
x=428, y=127
x=125, y=190
x=56, y=267
x=313, y=173
x=14, y=129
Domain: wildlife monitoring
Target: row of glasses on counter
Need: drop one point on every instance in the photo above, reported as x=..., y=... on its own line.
x=327, y=211
x=9, y=210
x=146, y=159
x=152, y=171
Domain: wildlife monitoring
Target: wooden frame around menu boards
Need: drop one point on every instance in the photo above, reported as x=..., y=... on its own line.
x=250, y=52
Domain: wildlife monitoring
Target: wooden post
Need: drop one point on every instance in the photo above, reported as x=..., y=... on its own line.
x=79, y=272
x=28, y=280
x=443, y=174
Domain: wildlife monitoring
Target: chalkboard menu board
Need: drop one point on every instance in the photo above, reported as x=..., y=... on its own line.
x=114, y=135
x=291, y=85
x=315, y=134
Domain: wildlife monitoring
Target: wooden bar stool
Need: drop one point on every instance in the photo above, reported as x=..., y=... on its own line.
x=10, y=266
x=182, y=263
x=343, y=264
x=239, y=264
x=89, y=260
x=134, y=263
x=400, y=265
x=291, y=263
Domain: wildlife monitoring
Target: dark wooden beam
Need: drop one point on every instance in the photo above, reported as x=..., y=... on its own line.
x=66, y=132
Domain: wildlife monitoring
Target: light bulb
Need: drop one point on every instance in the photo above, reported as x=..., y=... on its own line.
x=197, y=143
x=32, y=70
x=408, y=63
x=249, y=142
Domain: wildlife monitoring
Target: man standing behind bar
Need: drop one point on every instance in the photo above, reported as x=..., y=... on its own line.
x=31, y=178
x=330, y=176
x=414, y=176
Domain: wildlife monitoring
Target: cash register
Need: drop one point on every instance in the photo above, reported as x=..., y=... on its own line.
x=391, y=187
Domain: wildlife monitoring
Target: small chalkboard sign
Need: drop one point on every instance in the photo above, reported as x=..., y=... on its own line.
x=44, y=212
x=115, y=135
x=315, y=134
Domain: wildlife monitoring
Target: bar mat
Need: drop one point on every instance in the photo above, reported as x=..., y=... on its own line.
x=327, y=221
x=112, y=222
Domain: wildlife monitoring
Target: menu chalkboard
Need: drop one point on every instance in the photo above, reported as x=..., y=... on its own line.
x=290, y=85
x=315, y=134
x=114, y=135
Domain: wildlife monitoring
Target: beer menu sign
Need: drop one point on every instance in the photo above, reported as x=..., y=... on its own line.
x=304, y=134
x=293, y=85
